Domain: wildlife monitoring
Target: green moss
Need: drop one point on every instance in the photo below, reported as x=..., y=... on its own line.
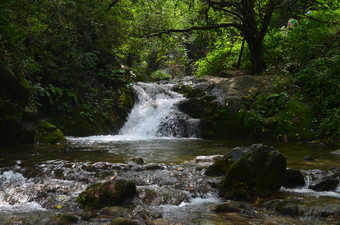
x=257, y=173
x=49, y=134
x=218, y=122
x=295, y=121
x=125, y=101
x=111, y=193
x=219, y=167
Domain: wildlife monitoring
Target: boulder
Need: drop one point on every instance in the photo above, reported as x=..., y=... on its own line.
x=219, y=167
x=194, y=107
x=259, y=173
x=324, y=184
x=49, y=134
x=293, y=178
x=111, y=193
x=237, y=153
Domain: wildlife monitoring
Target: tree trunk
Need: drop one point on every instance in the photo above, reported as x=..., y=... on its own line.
x=256, y=53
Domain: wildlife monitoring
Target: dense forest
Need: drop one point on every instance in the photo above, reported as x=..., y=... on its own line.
x=68, y=64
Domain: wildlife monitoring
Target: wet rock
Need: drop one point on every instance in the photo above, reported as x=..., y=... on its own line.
x=308, y=158
x=324, y=184
x=237, y=153
x=153, y=166
x=259, y=173
x=63, y=219
x=147, y=195
x=293, y=178
x=159, y=222
x=227, y=207
x=87, y=215
x=110, y=193
x=219, y=167
x=176, y=124
x=337, y=215
x=115, y=211
x=289, y=209
x=122, y=221
x=194, y=107
x=138, y=161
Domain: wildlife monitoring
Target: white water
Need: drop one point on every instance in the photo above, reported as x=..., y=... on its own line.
x=15, y=193
x=154, y=116
x=155, y=103
x=305, y=190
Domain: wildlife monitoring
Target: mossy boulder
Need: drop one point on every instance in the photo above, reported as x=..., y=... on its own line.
x=259, y=173
x=106, y=194
x=219, y=121
x=49, y=134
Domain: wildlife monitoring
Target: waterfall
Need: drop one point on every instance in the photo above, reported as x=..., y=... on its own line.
x=155, y=113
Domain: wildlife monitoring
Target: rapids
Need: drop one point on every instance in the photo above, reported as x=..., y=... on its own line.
x=39, y=182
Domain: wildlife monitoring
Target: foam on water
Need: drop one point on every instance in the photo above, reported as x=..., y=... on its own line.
x=155, y=102
x=14, y=193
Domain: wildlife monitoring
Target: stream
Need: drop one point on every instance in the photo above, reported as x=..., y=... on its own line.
x=39, y=182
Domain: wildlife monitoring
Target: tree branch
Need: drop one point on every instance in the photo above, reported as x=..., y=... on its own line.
x=111, y=5
x=209, y=27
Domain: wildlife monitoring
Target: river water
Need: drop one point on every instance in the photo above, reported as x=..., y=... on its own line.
x=39, y=182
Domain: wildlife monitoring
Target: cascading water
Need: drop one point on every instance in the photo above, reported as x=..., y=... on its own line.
x=155, y=113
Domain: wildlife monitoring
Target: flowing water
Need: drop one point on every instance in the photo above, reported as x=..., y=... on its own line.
x=38, y=182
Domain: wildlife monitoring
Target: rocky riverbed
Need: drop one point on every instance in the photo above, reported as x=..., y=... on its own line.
x=179, y=193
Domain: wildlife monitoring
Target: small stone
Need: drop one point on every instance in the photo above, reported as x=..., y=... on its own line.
x=308, y=158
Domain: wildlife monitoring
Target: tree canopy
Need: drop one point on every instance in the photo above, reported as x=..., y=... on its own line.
x=77, y=57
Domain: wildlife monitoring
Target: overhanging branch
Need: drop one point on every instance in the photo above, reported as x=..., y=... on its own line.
x=208, y=27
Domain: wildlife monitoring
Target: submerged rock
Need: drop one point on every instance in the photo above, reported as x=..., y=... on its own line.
x=258, y=173
x=110, y=193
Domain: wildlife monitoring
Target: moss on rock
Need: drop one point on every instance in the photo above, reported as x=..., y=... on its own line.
x=258, y=173
x=49, y=134
x=219, y=167
x=106, y=194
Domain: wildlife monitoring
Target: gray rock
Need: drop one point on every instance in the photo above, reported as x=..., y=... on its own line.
x=324, y=184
